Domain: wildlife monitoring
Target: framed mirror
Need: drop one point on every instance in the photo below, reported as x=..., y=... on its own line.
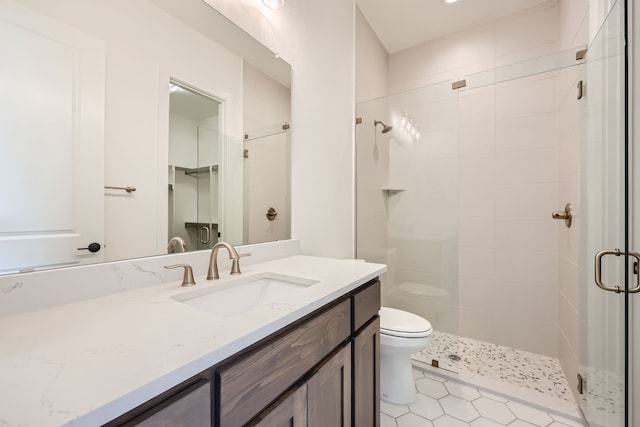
x=86, y=107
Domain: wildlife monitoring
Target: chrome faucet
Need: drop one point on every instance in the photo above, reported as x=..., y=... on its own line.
x=176, y=244
x=233, y=256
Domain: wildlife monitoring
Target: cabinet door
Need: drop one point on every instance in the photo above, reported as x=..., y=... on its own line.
x=366, y=378
x=329, y=392
x=191, y=410
x=289, y=412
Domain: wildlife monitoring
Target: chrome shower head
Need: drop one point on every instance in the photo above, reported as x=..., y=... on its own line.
x=385, y=128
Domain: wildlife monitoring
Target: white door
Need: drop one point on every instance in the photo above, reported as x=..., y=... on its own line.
x=51, y=142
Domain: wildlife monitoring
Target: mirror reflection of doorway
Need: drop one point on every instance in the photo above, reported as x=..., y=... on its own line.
x=194, y=165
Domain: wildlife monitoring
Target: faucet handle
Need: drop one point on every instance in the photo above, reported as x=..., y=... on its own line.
x=235, y=264
x=187, y=279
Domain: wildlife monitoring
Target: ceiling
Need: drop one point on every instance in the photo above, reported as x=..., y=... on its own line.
x=400, y=24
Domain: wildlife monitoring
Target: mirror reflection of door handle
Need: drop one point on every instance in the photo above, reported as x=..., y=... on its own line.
x=204, y=231
x=566, y=214
x=93, y=247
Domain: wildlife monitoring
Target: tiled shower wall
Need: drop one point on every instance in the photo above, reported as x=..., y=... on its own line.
x=507, y=160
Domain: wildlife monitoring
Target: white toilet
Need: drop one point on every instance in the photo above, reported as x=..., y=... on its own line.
x=401, y=334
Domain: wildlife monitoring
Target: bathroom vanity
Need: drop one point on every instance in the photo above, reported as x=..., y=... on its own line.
x=322, y=370
x=151, y=356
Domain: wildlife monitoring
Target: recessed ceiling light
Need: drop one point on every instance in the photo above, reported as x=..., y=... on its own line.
x=450, y=1
x=274, y=4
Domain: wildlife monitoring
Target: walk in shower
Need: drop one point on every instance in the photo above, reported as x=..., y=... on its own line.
x=457, y=200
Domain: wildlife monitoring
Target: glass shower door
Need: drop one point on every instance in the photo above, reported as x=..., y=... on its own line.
x=604, y=184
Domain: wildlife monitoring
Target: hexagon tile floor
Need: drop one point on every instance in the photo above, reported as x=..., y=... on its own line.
x=442, y=402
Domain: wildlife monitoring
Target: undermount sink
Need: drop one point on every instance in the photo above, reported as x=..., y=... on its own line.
x=243, y=294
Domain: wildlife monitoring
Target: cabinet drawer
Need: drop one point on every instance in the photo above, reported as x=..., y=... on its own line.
x=366, y=304
x=248, y=384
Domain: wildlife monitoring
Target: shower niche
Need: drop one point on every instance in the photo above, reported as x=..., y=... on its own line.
x=194, y=167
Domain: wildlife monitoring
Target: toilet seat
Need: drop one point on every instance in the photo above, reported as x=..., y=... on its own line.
x=399, y=323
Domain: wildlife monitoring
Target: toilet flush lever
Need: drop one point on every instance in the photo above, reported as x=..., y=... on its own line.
x=566, y=214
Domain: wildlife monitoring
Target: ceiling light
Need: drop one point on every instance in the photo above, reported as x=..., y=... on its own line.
x=450, y=1
x=274, y=4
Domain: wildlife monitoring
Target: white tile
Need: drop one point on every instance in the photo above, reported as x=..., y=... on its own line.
x=417, y=373
x=477, y=170
x=533, y=234
x=484, y=422
x=527, y=166
x=521, y=423
x=477, y=106
x=567, y=421
x=525, y=267
x=459, y=408
x=431, y=388
x=493, y=410
x=477, y=139
x=476, y=231
x=387, y=421
x=532, y=415
x=476, y=200
x=448, y=421
x=523, y=133
x=438, y=144
x=477, y=262
x=392, y=409
x=462, y=391
x=426, y=407
x=412, y=420
x=526, y=199
x=539, y=91
x=435, y=377
x=479, y=293
x=493, y=396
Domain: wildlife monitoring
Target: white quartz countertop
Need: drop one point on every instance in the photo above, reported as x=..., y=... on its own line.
x=85, y=363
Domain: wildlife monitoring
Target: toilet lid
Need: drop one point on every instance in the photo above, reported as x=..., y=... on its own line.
x=399, y=323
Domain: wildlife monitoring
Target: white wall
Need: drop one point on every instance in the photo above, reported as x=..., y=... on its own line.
x=267, y=104
x=372, y=62
x=144, y=47
x=317, y=39
x=372, y=147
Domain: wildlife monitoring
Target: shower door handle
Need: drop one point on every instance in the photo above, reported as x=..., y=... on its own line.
x=598, y=271
x=205, y=235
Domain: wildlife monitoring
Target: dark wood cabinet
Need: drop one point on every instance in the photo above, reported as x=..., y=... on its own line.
x=290, y=411
x=192, y=410
x=188, y=404
x=249, y=382
x=322, y=370
x=366, y=376
x=329, y=392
